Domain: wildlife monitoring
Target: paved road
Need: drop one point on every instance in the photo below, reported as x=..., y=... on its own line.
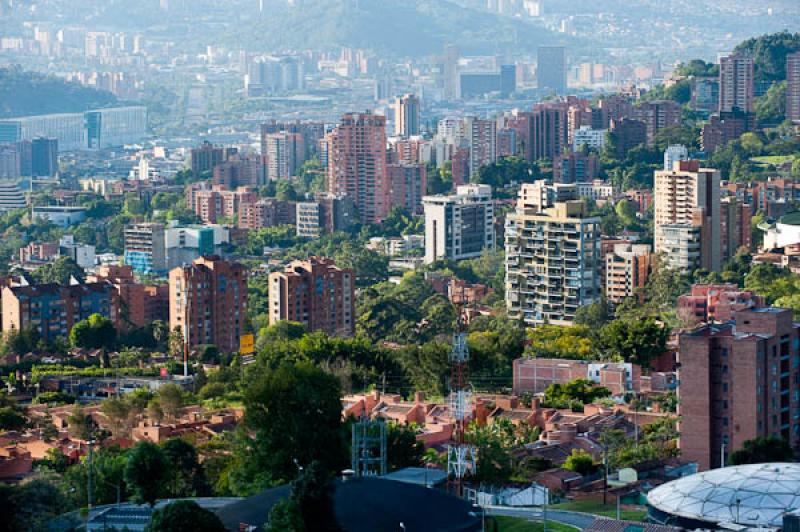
x=576, y=519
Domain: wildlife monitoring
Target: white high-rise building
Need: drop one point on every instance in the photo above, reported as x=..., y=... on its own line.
x=687, y=216
x=592, y=138
x=552, y=262
x=673, y=154
x=406, y=116
x=459, y=226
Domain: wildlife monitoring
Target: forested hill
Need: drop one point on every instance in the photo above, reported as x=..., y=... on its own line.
x=29, y=93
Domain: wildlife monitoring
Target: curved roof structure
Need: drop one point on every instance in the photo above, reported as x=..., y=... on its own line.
x=756, y=494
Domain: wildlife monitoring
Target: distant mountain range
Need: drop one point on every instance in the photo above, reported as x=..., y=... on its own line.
x=403, y=27
x=397, y=27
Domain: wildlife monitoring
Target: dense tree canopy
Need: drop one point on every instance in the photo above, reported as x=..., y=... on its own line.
x=94, y=332
x=184, y=516
x=295, y=412
x=762, y=450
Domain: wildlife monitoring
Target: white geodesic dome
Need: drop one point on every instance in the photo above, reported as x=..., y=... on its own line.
x=754, y=495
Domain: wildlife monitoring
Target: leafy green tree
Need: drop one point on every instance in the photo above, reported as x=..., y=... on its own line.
x=54, y=460
x=402, y=447
x=697, y=68
x=54, y=398
x=313, y=491
x=505, y=171
x=187, y=477
x=769, y=53
x=770, y=281
x=11, y=418
x=426, y=366
x=21, y=342
x=295, y=412
x=93, y=333
x=285, y=191
x=493, y=443
x=575, y=393
x=147, y=473
x=494, y=343
x=80, y=424
x=440, y=179
x=552, y=341
x=60, y=271
x=771, y=107
x=32, y=504
x=637, y=341
x=282, y=331
x=581, y=462
x=594, y=315
x=117, y=411
x=171, y=398
x=184, y=516
x=285, y=517
x=760, y=450
x=369, y=266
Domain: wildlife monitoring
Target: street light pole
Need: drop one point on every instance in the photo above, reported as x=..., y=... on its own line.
x=544, y=512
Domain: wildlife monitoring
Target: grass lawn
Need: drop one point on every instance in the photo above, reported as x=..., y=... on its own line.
x=609, y=510
x=517, y=524
x=772, y=159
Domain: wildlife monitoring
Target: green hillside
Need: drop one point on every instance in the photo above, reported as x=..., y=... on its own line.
x=29, y=93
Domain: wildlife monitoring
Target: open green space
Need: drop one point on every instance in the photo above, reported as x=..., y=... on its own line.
x=518, y=524
x=627, y=513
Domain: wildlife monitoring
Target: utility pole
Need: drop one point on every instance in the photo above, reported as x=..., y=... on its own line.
x=89, y=486
x=605, y=470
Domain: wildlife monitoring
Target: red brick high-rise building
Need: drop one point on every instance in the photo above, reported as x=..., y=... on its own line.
x=357, y=164
x=139, y=304
x=736, y=83
x=408, y=184
x=266, y=212
x=316, y=293
x=738, y=381
x=657, y=115
x=210, y=205
x=549, y=130
x=207, y=301
x=237, y=172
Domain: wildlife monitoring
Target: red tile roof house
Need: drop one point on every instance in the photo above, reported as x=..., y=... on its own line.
x=15, y=464
x=434, y=420
x=559, y=479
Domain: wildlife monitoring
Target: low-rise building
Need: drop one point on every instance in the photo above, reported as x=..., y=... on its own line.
x=534, y=375
x=60, y=215
x=718, y=303
x=140, y=304
x=52, y=309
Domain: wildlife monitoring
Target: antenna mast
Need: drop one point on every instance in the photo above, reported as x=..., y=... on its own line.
x=460, y=455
